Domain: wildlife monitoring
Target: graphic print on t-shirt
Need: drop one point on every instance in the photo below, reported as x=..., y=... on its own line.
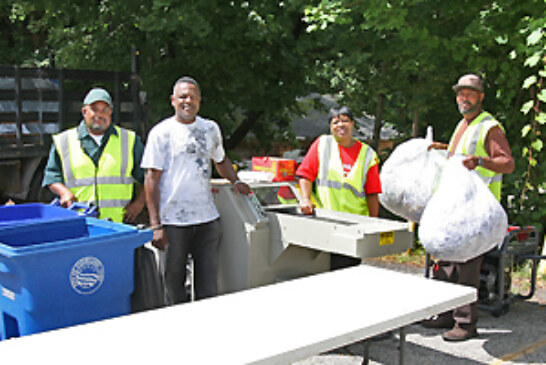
x=197, y=146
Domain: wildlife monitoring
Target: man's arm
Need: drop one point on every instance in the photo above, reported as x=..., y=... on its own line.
x=53, y=179
x=500, y=158
x=151, y=188
x=225, y=169
x=138, y=151
x=133, y=209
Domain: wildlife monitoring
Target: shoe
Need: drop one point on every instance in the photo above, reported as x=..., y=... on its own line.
x=460, y=334
x=441, y=321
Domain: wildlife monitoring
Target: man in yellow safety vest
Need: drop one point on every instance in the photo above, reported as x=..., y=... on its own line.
x=97, y=162
x=480, y=137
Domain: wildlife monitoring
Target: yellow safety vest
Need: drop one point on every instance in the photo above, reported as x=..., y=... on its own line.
x=472, y=142
x=334, y=190
x=109, y=185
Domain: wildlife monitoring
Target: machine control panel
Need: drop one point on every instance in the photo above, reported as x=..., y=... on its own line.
x=255, y=203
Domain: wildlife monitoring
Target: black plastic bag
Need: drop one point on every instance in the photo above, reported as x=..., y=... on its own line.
x=149, y=292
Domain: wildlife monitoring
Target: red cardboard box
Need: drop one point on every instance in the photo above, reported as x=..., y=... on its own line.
x=282, y=168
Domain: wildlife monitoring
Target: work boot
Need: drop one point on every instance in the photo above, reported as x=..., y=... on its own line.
x=440, y=321
x=460, y=333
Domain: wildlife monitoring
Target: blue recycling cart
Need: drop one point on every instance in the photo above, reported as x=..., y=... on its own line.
x=36, y=212
x=59, y=271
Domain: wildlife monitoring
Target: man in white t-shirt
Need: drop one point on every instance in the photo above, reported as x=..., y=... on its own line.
x=180, y=203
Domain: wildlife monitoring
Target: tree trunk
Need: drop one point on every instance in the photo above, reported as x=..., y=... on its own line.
x=242, y=130
x=415, y=124
x=378, y=121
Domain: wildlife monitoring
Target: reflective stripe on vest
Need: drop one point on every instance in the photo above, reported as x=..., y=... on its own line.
x=108, y=185
x=335, y=191
x=472, y=142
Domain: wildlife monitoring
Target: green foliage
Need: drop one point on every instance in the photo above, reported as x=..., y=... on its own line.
x=529, y=204
x=16, y=42
x=405, y=51
x=253, y=58
x=250, y=58
x=413, y=51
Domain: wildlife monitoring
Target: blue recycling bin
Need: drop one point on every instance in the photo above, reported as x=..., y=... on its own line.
x=56, y=273
x=34, y=212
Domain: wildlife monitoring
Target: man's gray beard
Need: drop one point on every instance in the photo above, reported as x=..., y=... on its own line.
x=472, y=109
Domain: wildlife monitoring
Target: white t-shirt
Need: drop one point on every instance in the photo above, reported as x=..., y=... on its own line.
x=184, y=152
x=97, y=138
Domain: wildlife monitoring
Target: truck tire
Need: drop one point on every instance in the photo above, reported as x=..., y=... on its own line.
x=36, y=192
x=3, y=199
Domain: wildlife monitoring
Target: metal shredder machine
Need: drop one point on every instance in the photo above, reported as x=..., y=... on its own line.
x=266, y=239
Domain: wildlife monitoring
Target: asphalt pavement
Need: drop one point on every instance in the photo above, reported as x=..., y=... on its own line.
x=517, y=337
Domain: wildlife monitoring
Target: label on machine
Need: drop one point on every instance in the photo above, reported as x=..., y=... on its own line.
x=386, y=238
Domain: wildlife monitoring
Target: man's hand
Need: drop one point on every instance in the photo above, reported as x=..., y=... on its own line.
x=159, y=240
x=67, y=198
x=437, y=146
x=241, y=188
x=471, y=162
x=132, y=210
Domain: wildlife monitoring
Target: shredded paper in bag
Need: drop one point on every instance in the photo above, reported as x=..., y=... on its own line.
x=463, y=219
x=409, y=177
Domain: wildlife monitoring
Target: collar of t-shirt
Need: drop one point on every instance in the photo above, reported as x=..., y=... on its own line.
x=96, y=138
x=90, y=145
x=348, y=156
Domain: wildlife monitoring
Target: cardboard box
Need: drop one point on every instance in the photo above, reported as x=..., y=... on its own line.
x=283, y=169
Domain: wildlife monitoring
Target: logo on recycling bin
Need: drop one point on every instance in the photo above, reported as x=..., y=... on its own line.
x=87, y=275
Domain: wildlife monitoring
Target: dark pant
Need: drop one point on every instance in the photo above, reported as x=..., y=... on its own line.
x=467, y=273
x=202, y=242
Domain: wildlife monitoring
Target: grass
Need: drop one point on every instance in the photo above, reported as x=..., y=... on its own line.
x=521, y=279
x=521, y=275
x=414, y=257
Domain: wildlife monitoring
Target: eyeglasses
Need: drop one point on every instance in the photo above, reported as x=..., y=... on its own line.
x=97, y=110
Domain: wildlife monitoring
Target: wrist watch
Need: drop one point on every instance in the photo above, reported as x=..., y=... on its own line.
x=480, y=161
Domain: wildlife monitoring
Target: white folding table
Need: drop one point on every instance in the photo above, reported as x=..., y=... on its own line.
x=275, y=324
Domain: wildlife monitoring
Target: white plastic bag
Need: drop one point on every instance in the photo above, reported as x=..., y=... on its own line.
x=409, y=177
x=463, y=219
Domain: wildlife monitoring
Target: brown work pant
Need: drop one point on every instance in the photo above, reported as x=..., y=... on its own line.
x=467, y=273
